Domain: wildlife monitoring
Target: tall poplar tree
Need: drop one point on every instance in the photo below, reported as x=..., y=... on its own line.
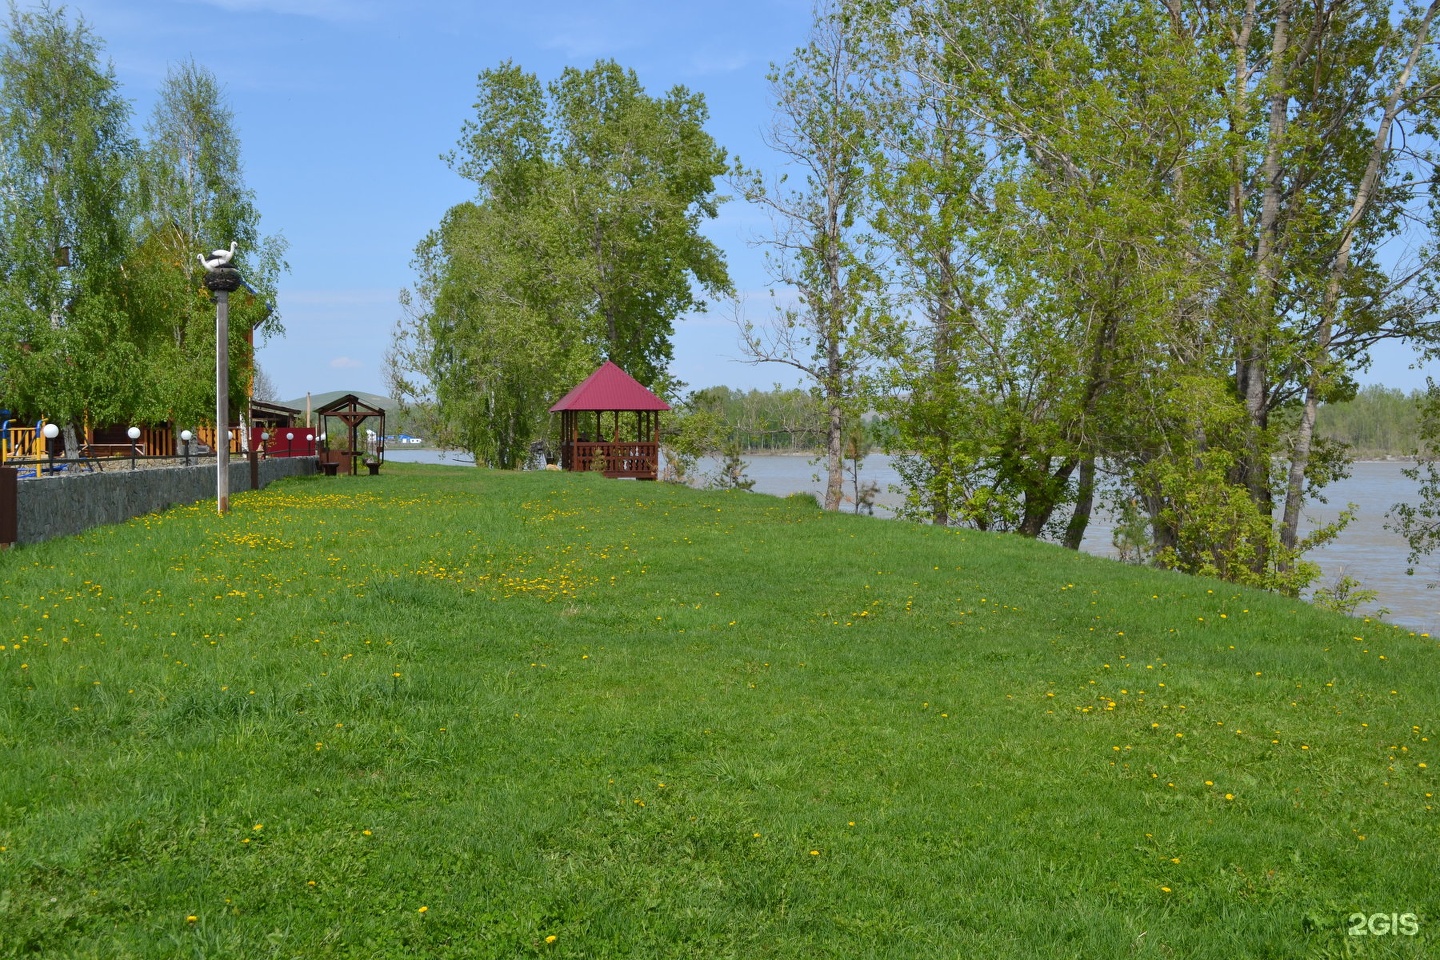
x=817, y=247
x=66, y=159
x=193, y=198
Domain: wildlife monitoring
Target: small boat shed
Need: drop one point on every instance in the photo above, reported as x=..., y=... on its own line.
x=611, y=423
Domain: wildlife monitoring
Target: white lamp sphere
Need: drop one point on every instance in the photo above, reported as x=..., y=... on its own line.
x=309, y=437
x=186, y=436
x=133, y=433
x=51, y=431
x=264, y=435
x=289, y=436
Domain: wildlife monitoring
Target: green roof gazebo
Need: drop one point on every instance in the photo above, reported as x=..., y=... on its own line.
x=613, y=421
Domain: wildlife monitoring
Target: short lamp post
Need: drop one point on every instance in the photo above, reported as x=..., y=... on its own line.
x=185, y=437
x=51, y=431
x=134, y=434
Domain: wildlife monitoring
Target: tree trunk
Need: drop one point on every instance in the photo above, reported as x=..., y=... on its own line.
x=834, y=455
x=1253, y=355
x=1084, y=504
x=1042, y=499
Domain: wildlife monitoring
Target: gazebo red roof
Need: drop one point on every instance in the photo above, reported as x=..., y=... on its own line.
x=610, y=388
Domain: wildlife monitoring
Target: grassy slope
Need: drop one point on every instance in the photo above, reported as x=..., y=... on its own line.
x=653, y=722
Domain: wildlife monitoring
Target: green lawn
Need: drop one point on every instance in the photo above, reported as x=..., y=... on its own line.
x=445, y=712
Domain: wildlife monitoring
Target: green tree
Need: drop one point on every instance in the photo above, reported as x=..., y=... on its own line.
x=1194, y=221
x=66, y=161
x=193, y=199
x=583, y=242
x=1035, y=245
x=1419, y=522
x=818, y=249
x=489, y=343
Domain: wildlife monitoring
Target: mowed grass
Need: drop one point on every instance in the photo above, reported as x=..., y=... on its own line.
x=456, y=713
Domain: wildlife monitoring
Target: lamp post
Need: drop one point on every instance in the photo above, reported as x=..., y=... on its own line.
x=51, y=431
x=185, y=437
x=134, y=434
x=222, y=280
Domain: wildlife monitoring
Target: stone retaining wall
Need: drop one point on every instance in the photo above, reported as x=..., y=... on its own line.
x=62, y=506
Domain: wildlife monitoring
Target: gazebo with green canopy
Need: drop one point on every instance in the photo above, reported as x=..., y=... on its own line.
x=611, y=423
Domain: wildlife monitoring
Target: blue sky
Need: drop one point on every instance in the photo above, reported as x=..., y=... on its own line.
x=344, y=109
x=345, y=106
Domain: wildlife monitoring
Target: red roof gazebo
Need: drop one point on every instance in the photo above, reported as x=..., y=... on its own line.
x=593, y=432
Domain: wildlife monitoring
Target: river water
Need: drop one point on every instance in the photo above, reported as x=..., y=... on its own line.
x=1365, y=550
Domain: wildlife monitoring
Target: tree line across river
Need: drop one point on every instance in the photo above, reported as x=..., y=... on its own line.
x=1379, y=422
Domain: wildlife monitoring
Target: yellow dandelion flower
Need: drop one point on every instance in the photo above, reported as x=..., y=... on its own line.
x=422, y=910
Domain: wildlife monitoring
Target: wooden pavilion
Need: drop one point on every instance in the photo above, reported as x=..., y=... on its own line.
x=351, y=411
x=598, y=432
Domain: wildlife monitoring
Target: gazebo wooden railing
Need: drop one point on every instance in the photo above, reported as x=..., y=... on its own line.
x=624, y=459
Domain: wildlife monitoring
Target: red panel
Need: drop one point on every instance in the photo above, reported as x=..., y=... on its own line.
x=287, y=441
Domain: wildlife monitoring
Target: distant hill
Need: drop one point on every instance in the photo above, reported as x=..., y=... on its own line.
x=395, y=422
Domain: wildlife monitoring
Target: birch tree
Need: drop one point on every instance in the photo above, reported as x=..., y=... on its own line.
x=193, y=197
x=66, y=159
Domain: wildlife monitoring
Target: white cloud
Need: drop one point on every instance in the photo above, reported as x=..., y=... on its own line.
x=346, y=363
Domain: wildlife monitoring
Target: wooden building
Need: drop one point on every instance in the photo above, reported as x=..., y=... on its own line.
x=343, y=451
x=611, y=423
